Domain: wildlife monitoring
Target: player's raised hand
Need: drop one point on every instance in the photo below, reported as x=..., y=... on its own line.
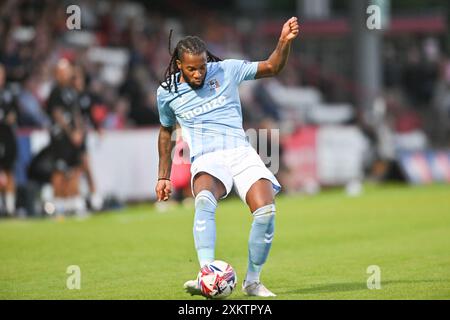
x=163, y=190
x=290, y=29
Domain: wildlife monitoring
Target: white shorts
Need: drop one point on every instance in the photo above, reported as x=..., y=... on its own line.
x=240, y=166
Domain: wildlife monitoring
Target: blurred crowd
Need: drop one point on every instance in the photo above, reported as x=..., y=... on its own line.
x=122, y=49
x=35, y=37
x=417, y=90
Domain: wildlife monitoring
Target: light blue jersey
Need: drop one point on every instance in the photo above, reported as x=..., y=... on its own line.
x=210, y=117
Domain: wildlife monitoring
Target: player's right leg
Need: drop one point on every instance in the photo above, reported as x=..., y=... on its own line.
x=256, y=186
x=260, y=200
x=76, y=201
x=10, y=195
x=60, y=150
x=207, y=190
x=58, y=184
x=8, y=155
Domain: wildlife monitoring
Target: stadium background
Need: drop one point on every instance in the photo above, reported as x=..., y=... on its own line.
x=356, y=109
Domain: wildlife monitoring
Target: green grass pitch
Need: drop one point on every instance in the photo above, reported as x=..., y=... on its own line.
x=322, y=248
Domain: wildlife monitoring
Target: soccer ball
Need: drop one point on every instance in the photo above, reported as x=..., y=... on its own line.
x=217, y=280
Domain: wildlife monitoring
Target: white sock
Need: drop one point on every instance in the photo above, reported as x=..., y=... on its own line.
x=260, y=241
x=79, y=205
x=60, y=206
x=69, y=205
x=10, y=203
x=252, y=277
x=96, y=201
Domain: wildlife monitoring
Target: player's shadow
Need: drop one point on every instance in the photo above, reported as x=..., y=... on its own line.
x=353, y=286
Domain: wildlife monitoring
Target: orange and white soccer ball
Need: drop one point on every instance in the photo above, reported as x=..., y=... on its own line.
x=217, y=280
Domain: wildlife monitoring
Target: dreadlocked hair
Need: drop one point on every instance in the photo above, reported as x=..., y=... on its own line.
x=191, y=45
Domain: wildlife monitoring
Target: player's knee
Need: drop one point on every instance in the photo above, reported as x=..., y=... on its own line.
x=262, y=234
x=205, y=200
x=257, y=204
x=265, y=214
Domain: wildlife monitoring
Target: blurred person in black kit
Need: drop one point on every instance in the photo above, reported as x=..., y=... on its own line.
x=85, y=101
x=66, y=144
x=8, y=146
x=141, y=112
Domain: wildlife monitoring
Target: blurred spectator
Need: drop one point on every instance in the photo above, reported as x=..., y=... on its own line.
x=132, y=89
x=269, y=107
x=420, y=76
x=84, y=104
x=441, y=104
x=67, y=141
x=31, y=112
x=85, y=99
x=412, y=77
x=392, y=72
x=181, y=172
x=117, y=119
x=8, y=148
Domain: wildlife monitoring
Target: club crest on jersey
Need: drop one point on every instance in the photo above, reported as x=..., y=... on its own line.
x=213, y=84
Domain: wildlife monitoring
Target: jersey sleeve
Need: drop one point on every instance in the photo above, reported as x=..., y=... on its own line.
x=166, y=115
x=242, y=69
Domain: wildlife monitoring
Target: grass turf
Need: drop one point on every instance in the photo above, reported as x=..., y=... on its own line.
x=322, y=248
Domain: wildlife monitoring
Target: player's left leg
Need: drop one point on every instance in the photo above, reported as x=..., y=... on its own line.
x=260, y=199
x=76, y=201
x=10, y=195
x=95, y=199
x=58, y=181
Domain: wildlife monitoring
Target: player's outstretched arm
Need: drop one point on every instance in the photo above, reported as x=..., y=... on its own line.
x=165, y=145
x=278, y=58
